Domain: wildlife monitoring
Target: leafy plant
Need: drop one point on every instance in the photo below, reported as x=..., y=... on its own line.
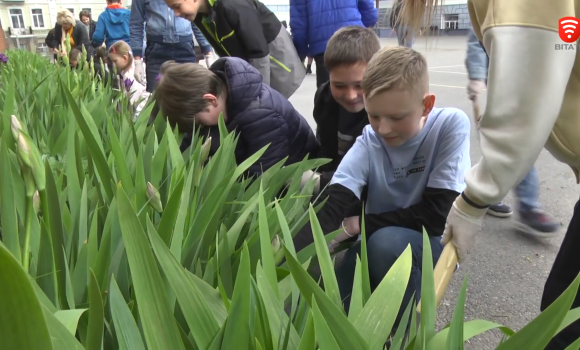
x=131, y=244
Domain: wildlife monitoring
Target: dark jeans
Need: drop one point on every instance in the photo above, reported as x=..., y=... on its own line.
x=321, y=72
x=158, y=53
x=384, y=247
x=565, y=269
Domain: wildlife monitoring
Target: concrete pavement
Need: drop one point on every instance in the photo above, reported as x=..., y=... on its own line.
x=508, y=270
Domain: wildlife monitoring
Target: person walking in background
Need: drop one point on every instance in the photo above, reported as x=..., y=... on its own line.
x=85, y=17
x=76, y=30
x=404, y=36
x=113, y=25
x=313, y=22
x=527, y=191
x=168, y=38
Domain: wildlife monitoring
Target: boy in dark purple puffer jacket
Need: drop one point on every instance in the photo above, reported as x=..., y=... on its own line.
x=189, y=94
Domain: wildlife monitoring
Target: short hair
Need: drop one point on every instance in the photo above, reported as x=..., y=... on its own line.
x=179, y=93
x=84, y=13
x=349, y=46
x=101, y=54
x=74, y=54
x=65, y=17
x=396, y=68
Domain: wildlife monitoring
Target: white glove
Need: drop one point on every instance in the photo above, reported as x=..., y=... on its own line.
x=464, y=222
x=140, y=72
x=209, y=59
x=474, y=89
x=307, y=176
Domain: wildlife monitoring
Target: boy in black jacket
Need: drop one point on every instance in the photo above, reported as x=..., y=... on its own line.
x=339, y=109
x=249, y=30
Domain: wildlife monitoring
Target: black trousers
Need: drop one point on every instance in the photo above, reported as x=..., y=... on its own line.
x=321, y=72
x=565, y=269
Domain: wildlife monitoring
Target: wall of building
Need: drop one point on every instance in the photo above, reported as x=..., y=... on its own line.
x=26, y=23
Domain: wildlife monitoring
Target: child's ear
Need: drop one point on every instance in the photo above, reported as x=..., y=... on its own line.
x=212, y=99
x=428, y=104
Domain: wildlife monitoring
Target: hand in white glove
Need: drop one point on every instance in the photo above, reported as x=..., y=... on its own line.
x=309, y=174
x=474, y=89
x=140, y=72
x=209, y=59
x=464, y=222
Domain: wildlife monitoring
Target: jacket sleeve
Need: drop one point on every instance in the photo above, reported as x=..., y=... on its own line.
x=369, y=14
x=476, y=58
x=431, y=212
x=49, y=41
x=136, y=28
x=248, y=29
x=268, y=128
x=201, y=40
x=299, y=26
x=522, y=108
x=57, y=36
x=99, y=34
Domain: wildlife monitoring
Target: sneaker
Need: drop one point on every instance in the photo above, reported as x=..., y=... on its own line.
x=500, y=210
x=308, y=69
x=539, y=221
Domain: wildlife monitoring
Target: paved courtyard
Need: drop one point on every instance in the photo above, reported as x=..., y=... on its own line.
x=508, y=270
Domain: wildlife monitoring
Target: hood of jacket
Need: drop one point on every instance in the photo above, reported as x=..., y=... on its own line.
x=243, y=80
x=118, y=15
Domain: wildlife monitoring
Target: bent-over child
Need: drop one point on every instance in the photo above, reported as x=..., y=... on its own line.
x=412, y=156
x=190, y=95
x=122, y=58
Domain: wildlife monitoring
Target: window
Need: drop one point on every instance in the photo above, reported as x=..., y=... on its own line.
x=72, y=10
x=450, y=22
x=37, y=18
x=88, y=9
x=17, y=18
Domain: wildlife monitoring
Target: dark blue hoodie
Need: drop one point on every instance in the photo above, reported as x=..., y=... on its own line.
x=113, y=25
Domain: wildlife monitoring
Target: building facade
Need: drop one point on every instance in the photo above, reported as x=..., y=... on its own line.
x=27, y=22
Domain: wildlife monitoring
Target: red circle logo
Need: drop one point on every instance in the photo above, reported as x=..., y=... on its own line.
x=569, y=29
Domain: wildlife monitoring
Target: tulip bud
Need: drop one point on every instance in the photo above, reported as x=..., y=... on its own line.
x=277, y=250
x=36, y=202
x=30, y=156
x=15, y=126
x=205, y=148
x=154, y=198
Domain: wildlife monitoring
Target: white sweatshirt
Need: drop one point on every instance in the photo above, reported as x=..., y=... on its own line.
x=533, y=93
x=137, y=92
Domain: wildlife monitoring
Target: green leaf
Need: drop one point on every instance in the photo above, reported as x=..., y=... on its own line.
x=538, y=333
x=266, y=245
x=61, y=337
x=323, y=332
x=197, y=313
x=470, y=330
x=344, y=332
x=237, y=333
x=308, y=339
x=159, y=325
x=379, y=313
x=21, y=314
x=7, y=208
x=356, y=298
x=455, y=337
x=428, y=311
x=126, y=329
x=70, y=319
x=96, y=315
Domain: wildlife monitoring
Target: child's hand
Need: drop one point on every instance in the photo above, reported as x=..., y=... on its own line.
x=352, y=225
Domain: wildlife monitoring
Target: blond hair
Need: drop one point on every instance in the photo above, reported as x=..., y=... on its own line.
x=396, y=68
x=179, y=94
x=349, y=46
x=414, y=13
x=65, y=17
x=121, y=48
